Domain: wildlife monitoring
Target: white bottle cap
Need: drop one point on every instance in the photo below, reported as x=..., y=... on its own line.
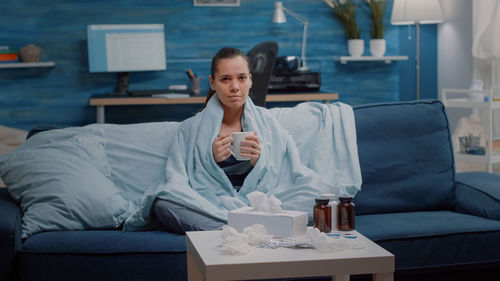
x=330, y=196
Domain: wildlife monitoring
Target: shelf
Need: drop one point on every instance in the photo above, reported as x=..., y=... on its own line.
x=491, y=102
x=464, y=103
x=387, y=59
x=27, y=64
x=494, y=157
x=459, y=98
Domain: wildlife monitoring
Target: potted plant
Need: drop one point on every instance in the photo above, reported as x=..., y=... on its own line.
x=345, y=13
x=377, y=41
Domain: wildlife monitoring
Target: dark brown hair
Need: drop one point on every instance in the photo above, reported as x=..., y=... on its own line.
x=224, y=53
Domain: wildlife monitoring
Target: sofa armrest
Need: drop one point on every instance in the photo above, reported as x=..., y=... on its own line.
x=10, y=234
x=478, y=193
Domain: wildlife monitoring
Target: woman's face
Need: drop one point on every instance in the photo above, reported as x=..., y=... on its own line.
x=232, y=82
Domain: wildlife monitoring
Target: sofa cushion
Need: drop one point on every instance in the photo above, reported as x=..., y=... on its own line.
x=103, y=255
x=103, y=242
x=433, y=239
x=87, y=177
x=406, y=157
x=137, y=154
x=478, y=193
x=10, y=234
x=61, y=182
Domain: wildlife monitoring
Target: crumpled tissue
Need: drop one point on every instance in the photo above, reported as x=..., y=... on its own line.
x=260, y=202
x=236, y=243
x=257, y=234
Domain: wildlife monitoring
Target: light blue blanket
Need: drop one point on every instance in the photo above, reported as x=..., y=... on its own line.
x=194, y=180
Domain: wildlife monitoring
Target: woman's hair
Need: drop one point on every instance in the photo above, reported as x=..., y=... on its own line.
x=224, y=53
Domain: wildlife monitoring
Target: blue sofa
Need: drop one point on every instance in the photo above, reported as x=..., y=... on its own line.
x=438, y=224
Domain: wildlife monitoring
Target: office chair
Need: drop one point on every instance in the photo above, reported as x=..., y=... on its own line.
x=262, y=58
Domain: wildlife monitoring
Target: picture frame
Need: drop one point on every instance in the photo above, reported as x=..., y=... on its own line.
x=220, y=3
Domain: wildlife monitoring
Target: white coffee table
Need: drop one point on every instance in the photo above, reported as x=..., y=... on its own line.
x=205, y=261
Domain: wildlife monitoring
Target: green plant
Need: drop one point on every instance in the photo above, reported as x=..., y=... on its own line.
x=345, y=13
x=377, y=8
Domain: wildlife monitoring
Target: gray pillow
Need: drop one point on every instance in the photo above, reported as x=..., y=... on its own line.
x=60, y=178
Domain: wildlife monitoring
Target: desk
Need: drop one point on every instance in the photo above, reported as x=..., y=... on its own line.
x=102, y=101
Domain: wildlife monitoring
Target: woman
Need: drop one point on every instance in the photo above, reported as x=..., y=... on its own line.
x=203, y=181
x=231, y=80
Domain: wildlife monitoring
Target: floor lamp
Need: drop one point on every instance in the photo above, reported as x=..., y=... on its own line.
x=279, y=17
x=417, y=12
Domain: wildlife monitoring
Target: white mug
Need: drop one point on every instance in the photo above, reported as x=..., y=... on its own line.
x=237, y=138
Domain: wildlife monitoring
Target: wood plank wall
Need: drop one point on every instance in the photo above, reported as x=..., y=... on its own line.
x=59, y=96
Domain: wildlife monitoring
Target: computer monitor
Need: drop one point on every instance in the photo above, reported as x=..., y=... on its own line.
x=125, y=48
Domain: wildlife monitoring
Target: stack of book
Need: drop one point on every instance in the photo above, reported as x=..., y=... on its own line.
x=8, y=55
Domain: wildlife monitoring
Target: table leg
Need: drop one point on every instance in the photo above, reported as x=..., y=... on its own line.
x=386, y=276
x=341, y=277
x=100, y=114
x=194, y=273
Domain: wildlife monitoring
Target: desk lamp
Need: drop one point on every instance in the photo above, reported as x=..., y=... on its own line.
x=280, y=17
x=409, y=12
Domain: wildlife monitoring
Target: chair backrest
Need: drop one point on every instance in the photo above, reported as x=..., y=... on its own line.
x=262, y=58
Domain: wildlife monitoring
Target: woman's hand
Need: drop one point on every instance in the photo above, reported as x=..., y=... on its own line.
x=250, y=147
x=221, y=148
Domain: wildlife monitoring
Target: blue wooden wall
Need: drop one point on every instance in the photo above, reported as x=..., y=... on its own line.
x=59, y=95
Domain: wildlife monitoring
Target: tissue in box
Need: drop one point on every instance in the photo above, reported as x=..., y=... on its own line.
x=285, y=224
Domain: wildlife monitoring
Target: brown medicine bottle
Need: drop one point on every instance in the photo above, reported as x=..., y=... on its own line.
x=323, y=215
x=345, y=214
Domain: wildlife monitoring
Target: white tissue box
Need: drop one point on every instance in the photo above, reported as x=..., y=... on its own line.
x=285, y=224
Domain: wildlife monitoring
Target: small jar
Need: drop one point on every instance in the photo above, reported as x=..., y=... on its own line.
x=333, y=204
x=345, y=214
x=322, y=215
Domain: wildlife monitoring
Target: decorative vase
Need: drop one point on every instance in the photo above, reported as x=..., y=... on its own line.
x=30, y=53
x=356, y=47
x=377, y=47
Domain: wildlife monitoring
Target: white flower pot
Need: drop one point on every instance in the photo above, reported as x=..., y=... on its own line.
x=377, y=47
x=356, y=47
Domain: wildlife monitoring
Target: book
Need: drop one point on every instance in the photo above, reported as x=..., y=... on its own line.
x=9, y=56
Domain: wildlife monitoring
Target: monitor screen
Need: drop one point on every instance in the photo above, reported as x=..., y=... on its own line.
x=126, y=47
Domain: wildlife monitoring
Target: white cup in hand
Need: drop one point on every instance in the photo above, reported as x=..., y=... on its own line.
x=237, y=138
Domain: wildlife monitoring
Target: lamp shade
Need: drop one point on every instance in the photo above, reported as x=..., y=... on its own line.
x=416, y=11
x=279, y=14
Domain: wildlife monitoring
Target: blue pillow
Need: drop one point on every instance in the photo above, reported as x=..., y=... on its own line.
x=405, y=154
x=61, y=180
